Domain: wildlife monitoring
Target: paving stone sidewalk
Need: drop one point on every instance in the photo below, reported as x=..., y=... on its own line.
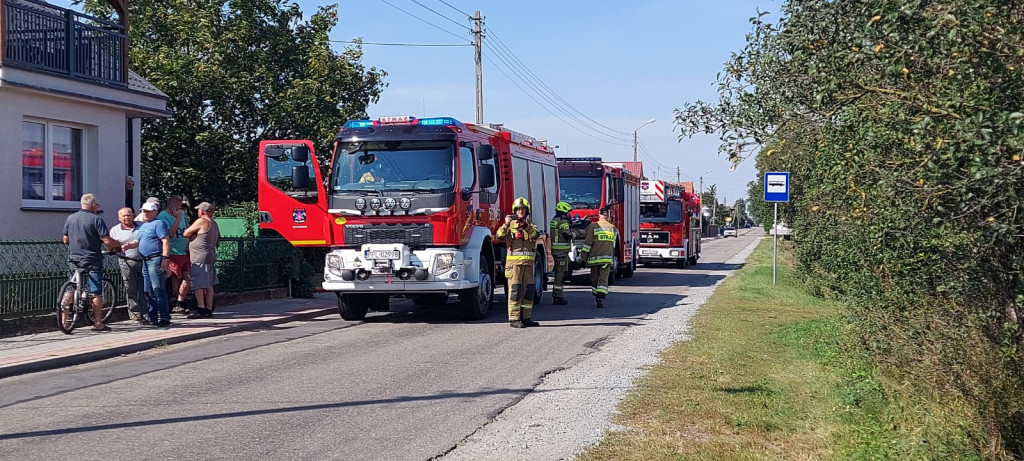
x=45, y=351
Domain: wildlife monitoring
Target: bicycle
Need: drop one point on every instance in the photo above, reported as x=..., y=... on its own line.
x=74, y=300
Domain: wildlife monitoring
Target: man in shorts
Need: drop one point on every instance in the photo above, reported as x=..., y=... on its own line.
x=86, y=234
x=180, y=265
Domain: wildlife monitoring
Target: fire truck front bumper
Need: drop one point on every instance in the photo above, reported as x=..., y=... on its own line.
x=648, y=254
x=396, y=268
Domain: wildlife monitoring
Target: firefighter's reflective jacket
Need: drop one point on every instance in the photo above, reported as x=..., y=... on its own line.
x=561, y=236
x=599, y=243
x=520, y=240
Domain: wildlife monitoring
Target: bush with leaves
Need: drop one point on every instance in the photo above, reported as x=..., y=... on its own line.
x=900, y=121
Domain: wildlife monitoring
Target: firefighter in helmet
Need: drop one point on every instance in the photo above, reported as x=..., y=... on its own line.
x=520, y=237
x=598, y=249
x=561, y=242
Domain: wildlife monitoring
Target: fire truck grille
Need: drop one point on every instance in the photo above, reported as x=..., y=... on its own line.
x=657, y=238
x=414, y=235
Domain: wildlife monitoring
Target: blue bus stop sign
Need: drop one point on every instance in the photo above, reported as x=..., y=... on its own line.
x=776, y=187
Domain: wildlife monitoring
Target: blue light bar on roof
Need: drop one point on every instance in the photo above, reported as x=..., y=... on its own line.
x=439, y=121
x=358, y=123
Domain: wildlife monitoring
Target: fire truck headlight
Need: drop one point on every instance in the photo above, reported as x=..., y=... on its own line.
x=673, y=253
x=443, y=262
x=360, y=204
x=375, y=204
x=389, y=203
x=405, y=203
x=335, y=264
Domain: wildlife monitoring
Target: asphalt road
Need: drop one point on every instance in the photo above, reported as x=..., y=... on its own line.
x=403, y=385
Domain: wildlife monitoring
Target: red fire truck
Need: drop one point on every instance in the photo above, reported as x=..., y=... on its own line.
x=409, y=208
x=589, y=184
x=669, y=230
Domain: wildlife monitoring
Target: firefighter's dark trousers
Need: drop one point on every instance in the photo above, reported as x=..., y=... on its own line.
x=561, y=268
x=599, y=280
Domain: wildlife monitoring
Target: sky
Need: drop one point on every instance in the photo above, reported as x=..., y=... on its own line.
x=582, y=75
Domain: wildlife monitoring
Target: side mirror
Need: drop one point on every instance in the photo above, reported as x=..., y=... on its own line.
x=487, y=176
x=300, y=153
x=486, y=152
x=300, y=177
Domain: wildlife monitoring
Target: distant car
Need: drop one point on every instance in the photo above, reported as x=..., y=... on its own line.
x=746, y=226
x=729, y=232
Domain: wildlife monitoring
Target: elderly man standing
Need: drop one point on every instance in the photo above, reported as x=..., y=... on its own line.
x=180, y=265
x=203, y=236
x=155, y=248
x=130, y=262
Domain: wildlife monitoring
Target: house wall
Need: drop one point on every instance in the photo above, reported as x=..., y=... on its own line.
x=105, y=163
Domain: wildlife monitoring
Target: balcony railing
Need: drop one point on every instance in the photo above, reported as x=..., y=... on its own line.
x=41, y=36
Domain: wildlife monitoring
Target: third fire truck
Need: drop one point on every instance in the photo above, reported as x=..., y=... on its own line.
x=589, y=184
x=669, y=230
x=409, y=207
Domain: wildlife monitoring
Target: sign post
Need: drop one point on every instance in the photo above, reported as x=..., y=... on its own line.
x=776, y=189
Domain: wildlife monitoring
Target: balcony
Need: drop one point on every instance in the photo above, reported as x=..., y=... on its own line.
x=42, y=37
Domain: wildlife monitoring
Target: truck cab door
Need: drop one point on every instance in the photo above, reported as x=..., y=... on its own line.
x=291, y=193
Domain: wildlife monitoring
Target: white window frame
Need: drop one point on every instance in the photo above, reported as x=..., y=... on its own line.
x=49, y=202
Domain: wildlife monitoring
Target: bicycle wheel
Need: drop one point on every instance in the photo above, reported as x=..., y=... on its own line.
x=108, y=303
x=67, y=315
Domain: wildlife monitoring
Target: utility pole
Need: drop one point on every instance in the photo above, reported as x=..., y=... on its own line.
x=477, y=45
x=634, y=146
x=677, y=175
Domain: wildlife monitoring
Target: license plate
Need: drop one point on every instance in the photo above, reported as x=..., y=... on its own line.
x=383, y=254
x=649, y=252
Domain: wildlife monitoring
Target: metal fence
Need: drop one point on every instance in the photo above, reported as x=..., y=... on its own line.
x=31, y=272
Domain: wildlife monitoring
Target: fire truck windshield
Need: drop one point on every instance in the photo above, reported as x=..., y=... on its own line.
x=670, y=212
x=581, y=192
x=383, y=166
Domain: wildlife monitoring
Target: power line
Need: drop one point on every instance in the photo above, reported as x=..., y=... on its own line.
x=503, y=57
x=511, y=80
x=548, y=88
x=356, y=42
x=457, y=23
x=422, y=20
x=456, y=9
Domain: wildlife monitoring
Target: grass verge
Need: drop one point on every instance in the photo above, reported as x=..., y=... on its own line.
x=766, y=376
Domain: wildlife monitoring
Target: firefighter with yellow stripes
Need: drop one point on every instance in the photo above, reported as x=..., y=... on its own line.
x=520, y=237
x=561, y=242
x=598, y=249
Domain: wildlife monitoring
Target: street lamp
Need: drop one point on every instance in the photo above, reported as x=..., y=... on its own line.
x=634, y=136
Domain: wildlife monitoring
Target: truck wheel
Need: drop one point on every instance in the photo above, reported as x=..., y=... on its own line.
x=431, y=299
x=681, y=263
x=540, y=278
x=353, y=306
x=477, y=301
x=612, y=274
x=627, y=273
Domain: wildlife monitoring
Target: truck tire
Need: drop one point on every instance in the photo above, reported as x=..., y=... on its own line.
x=612, y=274
x=353, y=306
x=627, y=273
x=431, y=299
x=681, y=263
x=540, y=277
x=475, y=302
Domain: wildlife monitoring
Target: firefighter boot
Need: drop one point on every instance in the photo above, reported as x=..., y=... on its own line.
x=517, y=324
x=600, y=302
x=530, y=323
x=559, y=301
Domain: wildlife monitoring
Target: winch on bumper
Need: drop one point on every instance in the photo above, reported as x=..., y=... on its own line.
x=648, y=254
x=397, y=268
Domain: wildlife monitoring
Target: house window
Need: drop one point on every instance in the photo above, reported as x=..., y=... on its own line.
x=52, y=155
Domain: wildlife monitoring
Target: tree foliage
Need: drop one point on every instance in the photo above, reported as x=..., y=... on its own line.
x=238, y=72
x=900, y=121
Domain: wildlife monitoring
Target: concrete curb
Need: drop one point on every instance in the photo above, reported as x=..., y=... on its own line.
x=92, y=356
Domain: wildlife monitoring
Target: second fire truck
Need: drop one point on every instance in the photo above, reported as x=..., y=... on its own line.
x=589, y=184
x=409, y=208
x=669, y=230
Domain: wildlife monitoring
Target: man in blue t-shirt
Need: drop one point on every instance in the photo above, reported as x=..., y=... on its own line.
x=180, y=266
x=155, y=249
x=86, y=234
